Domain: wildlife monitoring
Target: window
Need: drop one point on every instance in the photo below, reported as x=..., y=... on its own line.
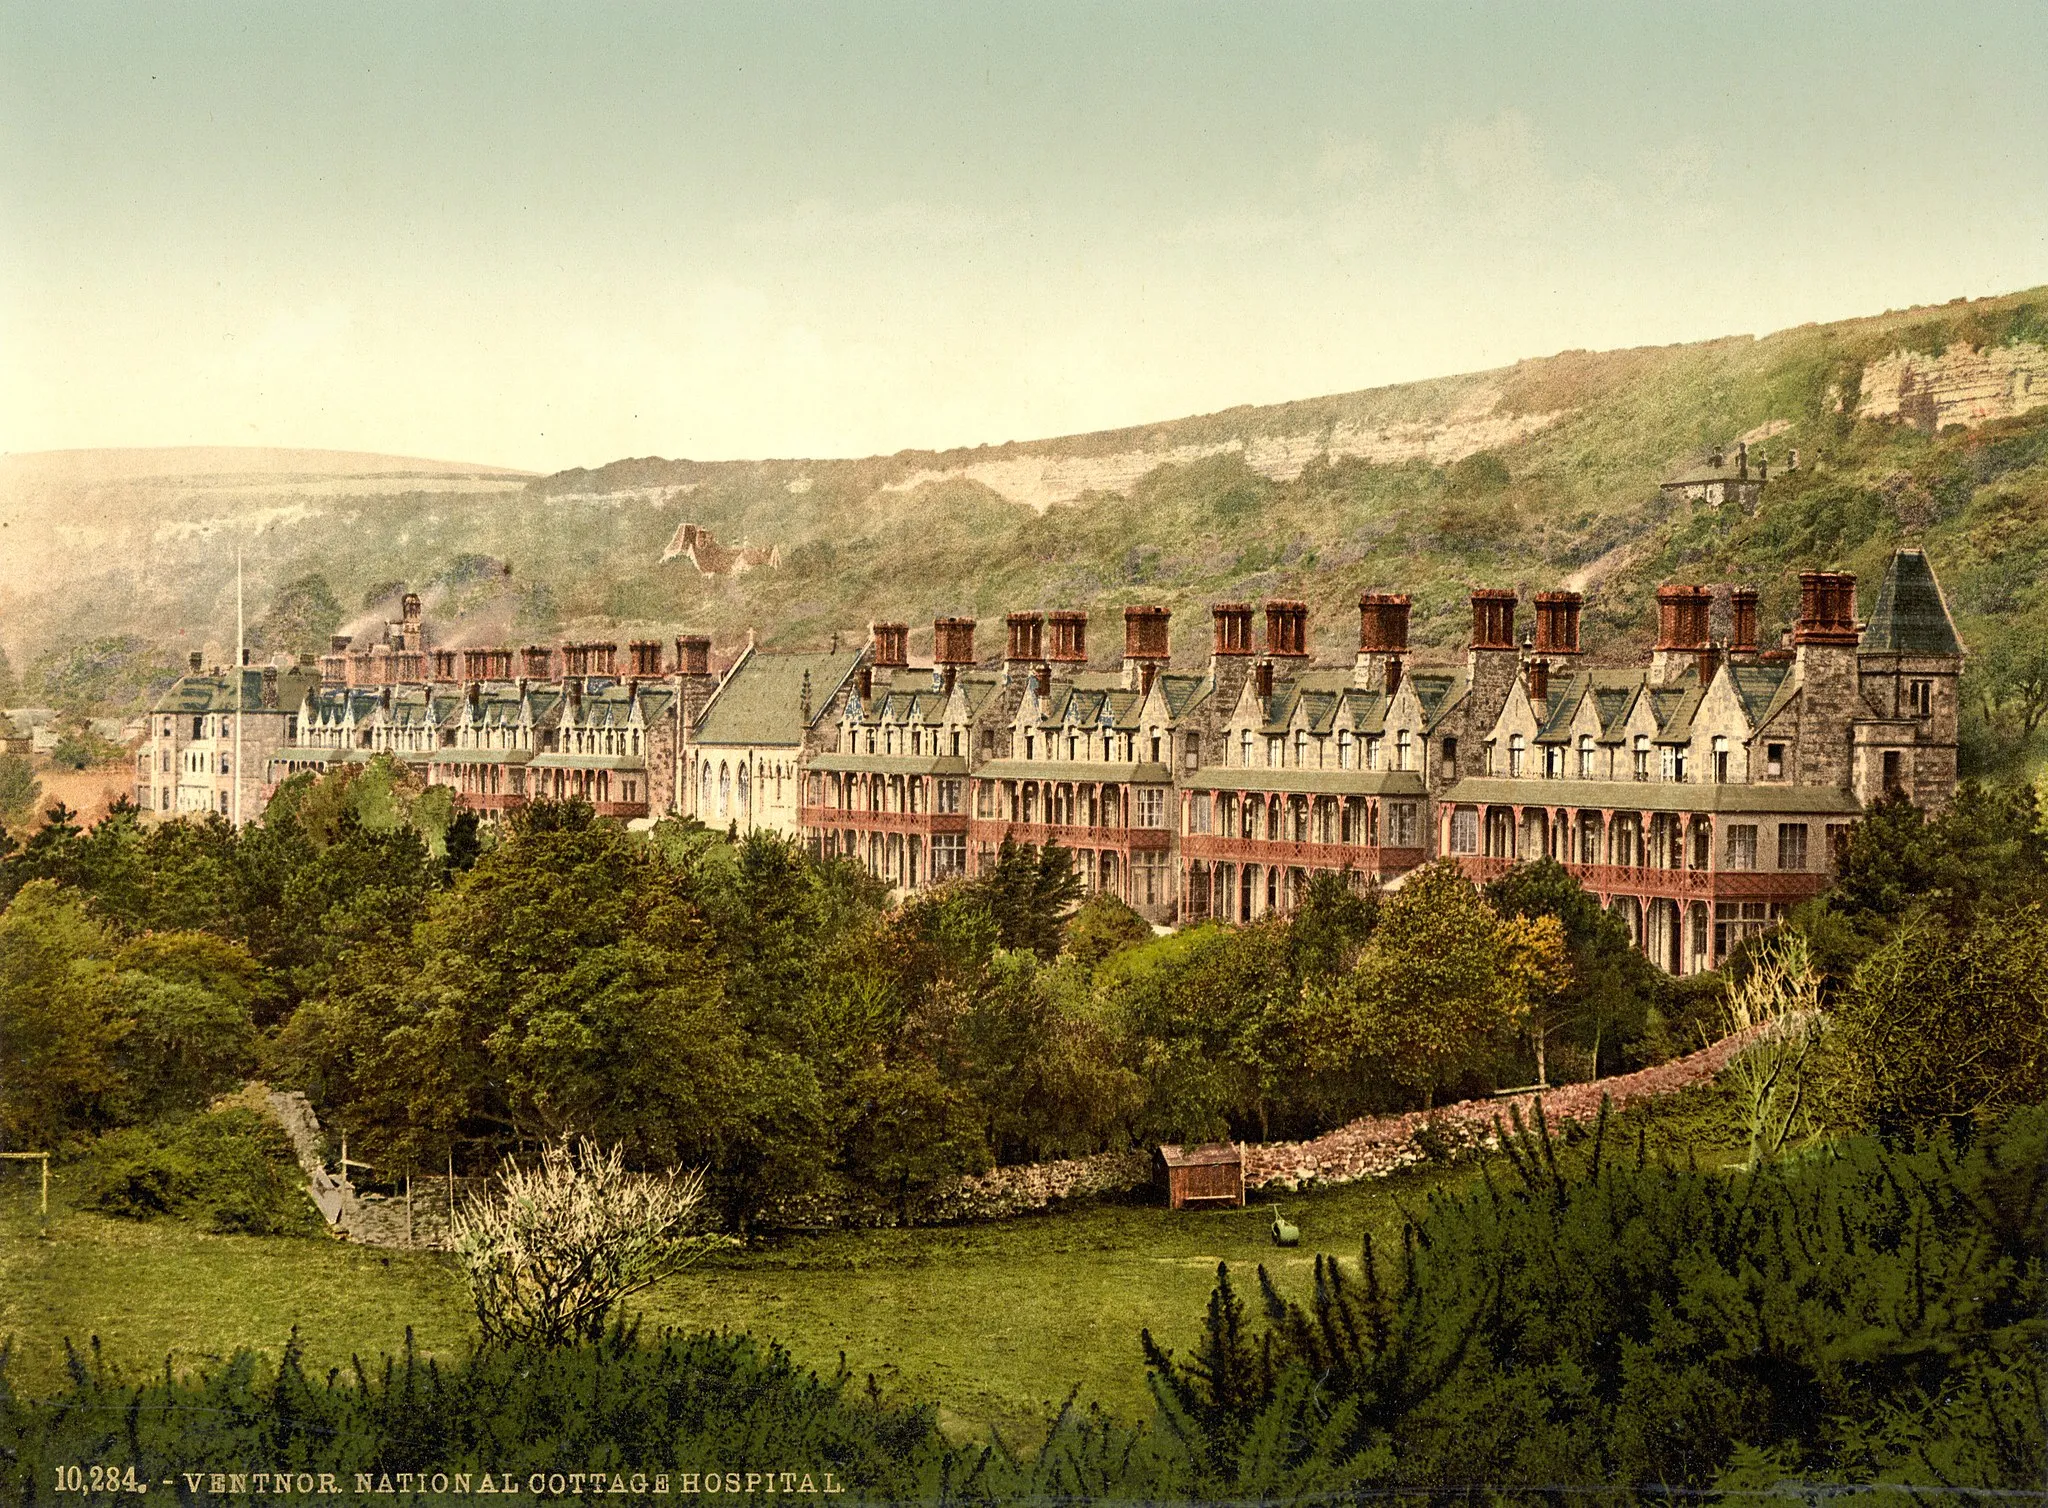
x=1515, y=753
x=1774, y=761
x=1641, y=751
x=1244, y=752
x=1893, y=772
x=1372, y=753
x=1274, y=751
x=1920, y=698
x=724, y=789
x=1401, y=824
x=1198, y=812
x=1402, y=751
x=1585, y=756
x=949, y=855
x=1667, y=763
x=1720, y=760
x=1031, y=746
x=1742, y=846
x=1148, y=879
x=956, y=743
x=1151, y=806
x=1465, y=830
x=1589, y=840
x=1792, y=845
x=1553, y=762
x=746, y=792
x=1300, y=750
x=984, y=799
x=1155, y=746
x=949, y=800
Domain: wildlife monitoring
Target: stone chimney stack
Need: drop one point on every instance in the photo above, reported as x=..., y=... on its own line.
x=410, y=632
x=1230, y=655
x=892, y=645
x=537, y=662
x=1824, y=643
x=1023, y=644
x=1147, y=645
x=1683, y=630
x=1557, y=623
x=444, y=665
x=195, y=661
x=1286, y=630
x=952, y=647
x=1382, y=641
x=1493, y=661
x=1742, y=622
x=693, y=655
x=1068, y=630
x=645, y=658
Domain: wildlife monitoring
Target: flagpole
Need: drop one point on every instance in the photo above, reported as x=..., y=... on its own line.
x=241, y=680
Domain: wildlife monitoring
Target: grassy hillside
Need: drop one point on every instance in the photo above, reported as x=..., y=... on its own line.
x=1537, y=475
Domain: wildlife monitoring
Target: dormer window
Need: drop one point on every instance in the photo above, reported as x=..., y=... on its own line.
x=1244, y=755
x=1586, y=756
x=1300, y=750
x=1403, y=752
x=1641, y=751
x=1774, y=761
x=1720, y=760
x=1344, y=749
x=1516, y=749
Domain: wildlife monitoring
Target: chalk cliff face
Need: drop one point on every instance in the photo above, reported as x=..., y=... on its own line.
x=1963, y=385
x=1478, y=422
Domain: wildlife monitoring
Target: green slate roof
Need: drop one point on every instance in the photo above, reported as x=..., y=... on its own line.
x=761, y=699
x=193, y=694
x=1910, y=617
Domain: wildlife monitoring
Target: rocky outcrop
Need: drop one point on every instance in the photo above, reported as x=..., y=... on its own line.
x=695, y=543
x=1963, y=385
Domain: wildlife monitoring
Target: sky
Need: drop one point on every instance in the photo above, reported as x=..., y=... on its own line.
x=553, y=235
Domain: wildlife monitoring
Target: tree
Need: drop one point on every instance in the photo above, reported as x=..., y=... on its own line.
x=303, y=613
x=19, y=790
x=56, y=1020
x=554, y=1249
x=1103, y=925
x=908, y=1131
x=1942, y=1024
x=1030, y=893
x=1329, y=927
x=2011, y=678
x=1604, y=1003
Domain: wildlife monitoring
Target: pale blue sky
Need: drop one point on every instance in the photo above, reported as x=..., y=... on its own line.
x=554, y=235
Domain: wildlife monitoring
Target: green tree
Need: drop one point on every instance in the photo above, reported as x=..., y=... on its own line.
x=1029, y=893
x=303, y=613
x=1941, y=1024
x=907, y=1131
x=19, y=790
x=57, y=1020
x=1604, y=1006
x=1103, y=925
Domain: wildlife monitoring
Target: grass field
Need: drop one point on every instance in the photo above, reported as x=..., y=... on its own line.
x=996, y=1323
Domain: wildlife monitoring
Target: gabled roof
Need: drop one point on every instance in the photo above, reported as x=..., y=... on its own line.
x=1756, y=686
x=1182, y=691
x=761, y=699
x=1911, y=616
x=196, y=694
x=1438, y=691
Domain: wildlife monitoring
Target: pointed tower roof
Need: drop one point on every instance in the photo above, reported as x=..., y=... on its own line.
x=1910, y=616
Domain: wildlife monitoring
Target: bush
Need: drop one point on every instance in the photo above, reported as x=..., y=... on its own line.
x=231, y=1170
x=1594, y=1321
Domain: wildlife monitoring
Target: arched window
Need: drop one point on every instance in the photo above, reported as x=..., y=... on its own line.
x=746, y=792
x=724, y=788
x=704, y=790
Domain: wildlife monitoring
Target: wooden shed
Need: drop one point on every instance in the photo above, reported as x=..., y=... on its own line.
x=1204, y=1177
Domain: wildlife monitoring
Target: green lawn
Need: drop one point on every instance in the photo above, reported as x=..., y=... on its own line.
x=997, y=1323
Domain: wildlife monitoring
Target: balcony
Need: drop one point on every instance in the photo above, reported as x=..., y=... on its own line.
x=856, y=819
x=1783, y=885
x=1212, y=848
x=1038, y=834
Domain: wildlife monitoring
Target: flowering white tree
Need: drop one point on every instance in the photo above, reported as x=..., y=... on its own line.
x=553, y=1248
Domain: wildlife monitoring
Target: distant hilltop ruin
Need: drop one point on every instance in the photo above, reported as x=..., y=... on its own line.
x=695, y=542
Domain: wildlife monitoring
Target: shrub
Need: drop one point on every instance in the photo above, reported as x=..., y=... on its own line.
x=231, y=1170
x=551, y=1253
